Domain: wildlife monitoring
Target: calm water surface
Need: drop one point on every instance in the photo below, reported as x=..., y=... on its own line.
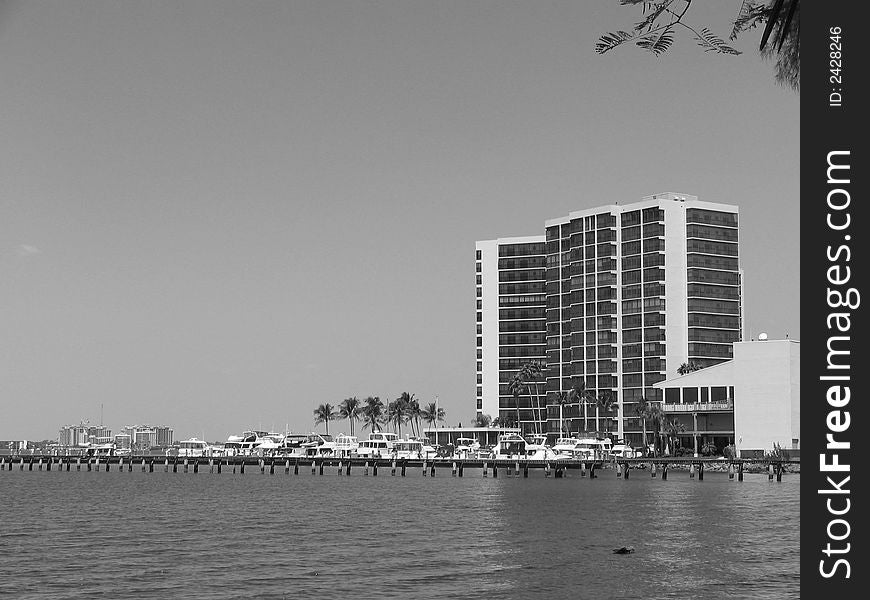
x=184, y=536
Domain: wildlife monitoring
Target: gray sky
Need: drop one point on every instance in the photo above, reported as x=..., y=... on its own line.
x=217, y=215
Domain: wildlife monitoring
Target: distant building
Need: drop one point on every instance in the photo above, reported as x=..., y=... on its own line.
x=143, y=437
x=752, y=401
x=83, y=434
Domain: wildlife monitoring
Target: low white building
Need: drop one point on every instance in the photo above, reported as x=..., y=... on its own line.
x=752, y=400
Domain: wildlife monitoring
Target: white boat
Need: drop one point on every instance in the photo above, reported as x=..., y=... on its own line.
x=510, y=445
x=407, y=449
x=466, y=448
x=193, y=447
x=589, y=448
x=243, y=444
x=565, y=446
x=624, y=451
x=537, y=448
x=379, y=444
x=346, y=445
x=319, y=444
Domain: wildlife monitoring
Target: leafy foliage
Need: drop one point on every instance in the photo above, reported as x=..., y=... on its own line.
x=712, y=43
x=655, y=32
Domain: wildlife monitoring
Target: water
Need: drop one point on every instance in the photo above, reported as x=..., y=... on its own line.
x=183, y=536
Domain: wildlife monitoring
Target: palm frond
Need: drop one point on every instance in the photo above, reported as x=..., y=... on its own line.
x=658, y=44
x=772, y=18
x=609, y=41
x=713, y=43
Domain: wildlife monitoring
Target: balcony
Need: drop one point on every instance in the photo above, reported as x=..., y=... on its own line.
x=697, y=407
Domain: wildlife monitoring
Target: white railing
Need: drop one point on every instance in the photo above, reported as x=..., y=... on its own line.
x=698, y=407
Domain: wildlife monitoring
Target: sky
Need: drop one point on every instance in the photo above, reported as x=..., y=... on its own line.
x=218, y=215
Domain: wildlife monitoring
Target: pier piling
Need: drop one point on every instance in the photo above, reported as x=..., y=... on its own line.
x=618, y=470
x=196, y=466
x=453, y=470
x=518, y=468
x=287, y=467
x=321, y=466
x=526, y=471
x=404, y=464
x=366, y=468
x=241, y=467
x=48, y=465
x=393, y=468
x=89, y=465
x=349, y=462
x=691, y=470
x=143, y=465
x=652, y=469
x=592, y=474
x=30, y=465
x=665, y=472
x=375, y=468
x=424, y=468
x=313, y=467
x=547, y=470
x=701, y=472
x=296, y=467
x=731, y=471
x=175, y=466
x=262, y=464
x=219, y=464
x=582, y=469
x=627, y=470
x=484, y=469
x=779, y=472
x=107, y=465
x=271, y=467
x=166, y=465
x=432, y=470
x=150, y=466
x=494, y=470
x=740, y=471
x=461, y=466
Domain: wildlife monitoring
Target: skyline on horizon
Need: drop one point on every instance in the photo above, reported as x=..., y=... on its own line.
x=220, y=216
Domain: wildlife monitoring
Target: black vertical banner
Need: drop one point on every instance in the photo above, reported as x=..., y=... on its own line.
x=834, y=228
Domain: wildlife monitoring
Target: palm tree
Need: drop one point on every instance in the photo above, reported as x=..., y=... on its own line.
x=515, y=387
x=579, y=394
x=324, y=414
x=656, y=416
x=607, y=404
x=350, y=409
x=481, y=420
x=673, y=428
x=534, y=372
x=432, y=414
x=562, y=398
x=410, y=409
x=372, y=413
x=688, y=367
x=641, y=410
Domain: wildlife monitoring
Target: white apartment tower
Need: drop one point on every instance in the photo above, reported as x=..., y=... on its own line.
x=631, y=293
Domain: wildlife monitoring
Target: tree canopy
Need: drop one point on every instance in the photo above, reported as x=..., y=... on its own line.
x=663, y=18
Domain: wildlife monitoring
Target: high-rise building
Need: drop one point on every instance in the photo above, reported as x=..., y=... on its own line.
x=510, y=325
x=83, y=434
x=632, y=293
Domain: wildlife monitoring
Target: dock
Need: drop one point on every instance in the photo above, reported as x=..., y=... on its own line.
x=655, y=466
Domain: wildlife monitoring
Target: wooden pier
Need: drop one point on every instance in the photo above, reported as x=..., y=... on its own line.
x=442, y=467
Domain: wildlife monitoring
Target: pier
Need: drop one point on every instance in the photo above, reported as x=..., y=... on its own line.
x=431, y=467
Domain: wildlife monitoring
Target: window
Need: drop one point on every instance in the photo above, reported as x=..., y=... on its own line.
x=479, y=279
x=479, y=378
x=479, y=316
x=631, y=218
x=672, y=395
x=718, y=394
x=478, y=255
x=690, y=395
x=630, y=248
x=477, y=267
x=479, y=329
x=479, y=305
x=653, y=214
